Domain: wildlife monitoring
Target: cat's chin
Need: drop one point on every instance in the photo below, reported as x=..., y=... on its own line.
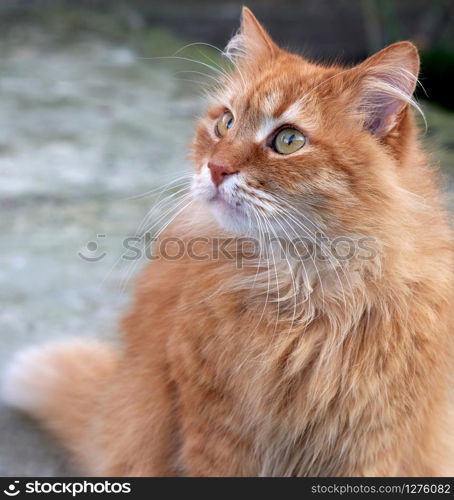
x=228, y=216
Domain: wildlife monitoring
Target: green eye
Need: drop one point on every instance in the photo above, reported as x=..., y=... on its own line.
x=288, y=140
x=224, y=123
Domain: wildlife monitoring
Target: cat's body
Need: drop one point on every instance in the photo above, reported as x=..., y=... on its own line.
x=340, y=368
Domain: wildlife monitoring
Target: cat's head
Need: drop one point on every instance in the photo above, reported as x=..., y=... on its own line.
x=295, y=146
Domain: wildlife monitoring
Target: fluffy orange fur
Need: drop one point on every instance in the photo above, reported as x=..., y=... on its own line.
x=333, y=368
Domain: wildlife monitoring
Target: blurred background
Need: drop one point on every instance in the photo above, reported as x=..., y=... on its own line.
x=95, y=119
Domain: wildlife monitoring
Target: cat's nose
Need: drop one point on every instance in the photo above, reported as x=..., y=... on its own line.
x=220, y=171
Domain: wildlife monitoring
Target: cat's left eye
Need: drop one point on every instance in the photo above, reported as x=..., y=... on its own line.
x=288, y=140
x=224, y=124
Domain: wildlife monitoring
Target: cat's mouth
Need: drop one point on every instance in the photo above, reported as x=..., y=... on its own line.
x=220, y=201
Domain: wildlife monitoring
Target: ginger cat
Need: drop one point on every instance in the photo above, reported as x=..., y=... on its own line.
x=283, y=366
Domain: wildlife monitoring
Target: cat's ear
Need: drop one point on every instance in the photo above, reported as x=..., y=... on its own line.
x=251, y=42
x=383, y=85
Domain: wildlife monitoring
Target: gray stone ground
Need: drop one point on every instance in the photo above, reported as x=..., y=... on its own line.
x=83, y=128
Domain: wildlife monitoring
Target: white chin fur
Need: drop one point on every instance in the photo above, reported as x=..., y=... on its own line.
x=229, y=218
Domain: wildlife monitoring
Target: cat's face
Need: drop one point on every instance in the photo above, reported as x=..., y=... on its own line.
x=288, y=146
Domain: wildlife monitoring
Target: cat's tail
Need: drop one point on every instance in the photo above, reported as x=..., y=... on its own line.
x=60, y=384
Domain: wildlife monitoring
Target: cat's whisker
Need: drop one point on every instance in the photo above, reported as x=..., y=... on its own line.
x=164, y=216
x=223, y=53
x=194, y=72
x=221, y=72
x=328, y=255
x=213, y=62
x=263, y=235
x=294, y=287
x=203, y=54
x=324, y=246
x=237, y=68
x=269, y=226
x=203, y=88
x=313, y=240
x=285, y=214
x=194, y=44
x=155, y=208
x=175, y=216
x=129, y=274
x=311, y=237
x=162, y=187
x=198, y=43
x=261, y=244
x=152, y=210
x=187, y=59
x=308, y=284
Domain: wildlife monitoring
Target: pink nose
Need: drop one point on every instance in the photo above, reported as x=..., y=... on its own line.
x=219, y=172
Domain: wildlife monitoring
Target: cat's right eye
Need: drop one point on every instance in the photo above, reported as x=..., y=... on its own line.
x=288, y=140
x=224, y=124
